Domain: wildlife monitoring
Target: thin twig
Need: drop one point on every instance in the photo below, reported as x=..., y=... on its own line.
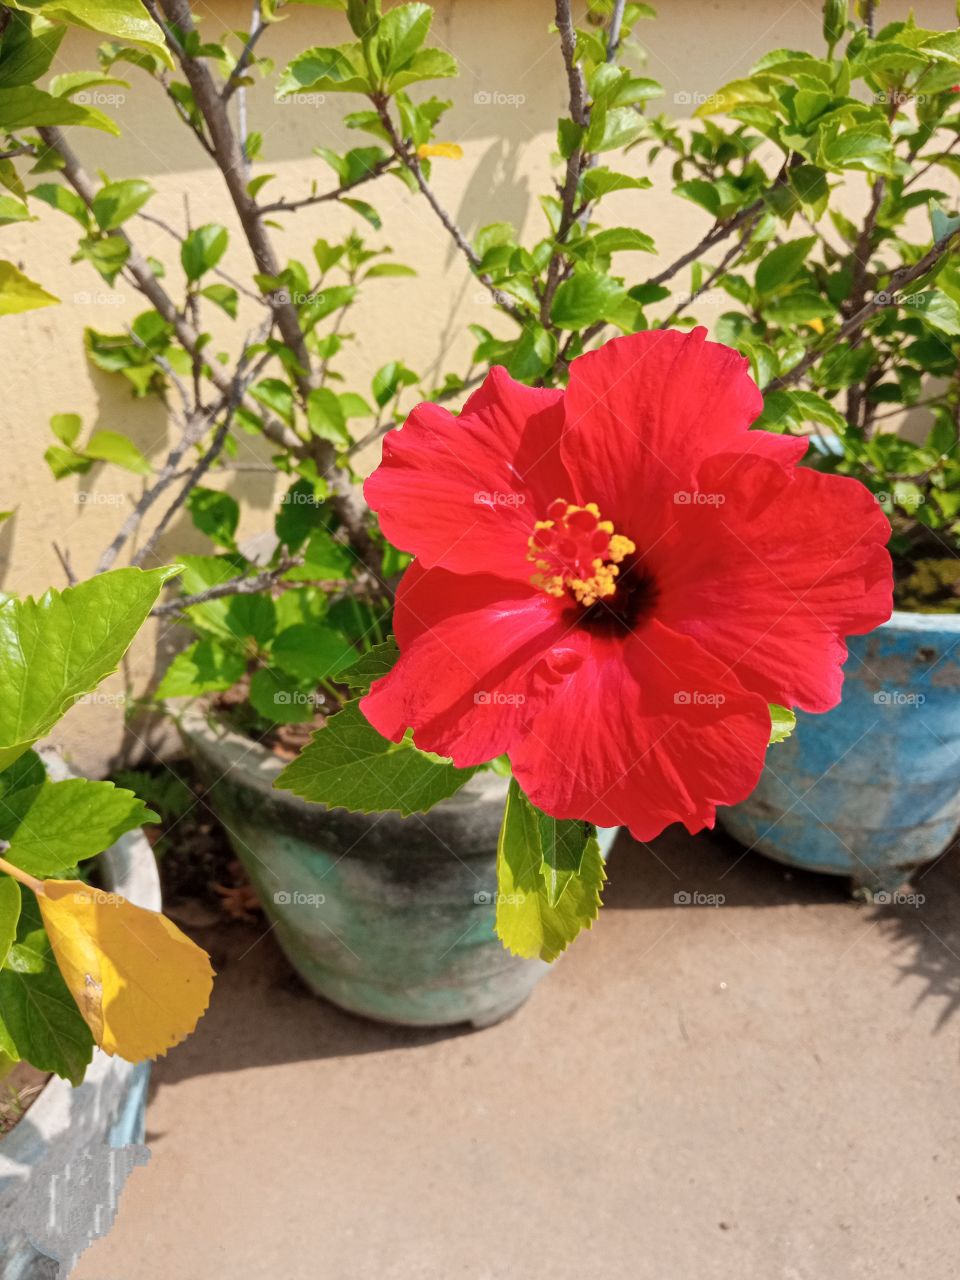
x=65, y=565
x=335, y=193
x=887, y=297
x=234, y=587
x=257, y=28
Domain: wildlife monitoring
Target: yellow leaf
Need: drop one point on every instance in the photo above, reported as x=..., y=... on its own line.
x=448, y=150
x=816, y=324
x=139, y=982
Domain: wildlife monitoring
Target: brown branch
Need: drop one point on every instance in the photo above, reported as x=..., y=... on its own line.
x=732, y=253
x=258, y=27
x=230, y=160
x=234, y=587
x=335, y=193
x=888, y=297
x=580, y=115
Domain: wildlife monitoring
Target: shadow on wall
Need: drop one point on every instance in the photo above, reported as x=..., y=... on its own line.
x=7, y=539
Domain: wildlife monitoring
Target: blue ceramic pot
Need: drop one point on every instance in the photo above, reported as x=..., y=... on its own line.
x=871, y=789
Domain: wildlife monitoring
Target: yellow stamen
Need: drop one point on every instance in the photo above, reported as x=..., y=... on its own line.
x=575, y=551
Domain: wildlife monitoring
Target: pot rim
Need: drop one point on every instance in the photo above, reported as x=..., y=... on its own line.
x=909, y=620
x=130, y=869
x=258, y=767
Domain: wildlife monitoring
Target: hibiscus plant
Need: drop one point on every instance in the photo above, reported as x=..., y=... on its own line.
x=621, y=553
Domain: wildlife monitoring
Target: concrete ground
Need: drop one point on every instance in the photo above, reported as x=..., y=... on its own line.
x=762, y=1090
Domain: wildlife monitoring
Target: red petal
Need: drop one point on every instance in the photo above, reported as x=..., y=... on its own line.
x=772, y=569
x=464, y=492
x=648, y=730
x=642, y=411
x=472, y=669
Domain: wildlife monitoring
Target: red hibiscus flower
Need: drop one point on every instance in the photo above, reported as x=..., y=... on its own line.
x=613, y=581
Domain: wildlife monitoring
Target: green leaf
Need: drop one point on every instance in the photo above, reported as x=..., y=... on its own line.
x=528, y=924
x=782, y=723
x=18, y=293
x=428, y=64
x=53, y=826
x=205, y=667
x=276, y=395
x=312, y=651
x=55, y=649
x=798, y=308
x=588, y=296
x=374, y=665
x=67, y=427
x=859, y=148
x=117, y=201
x=382, y=269
x=564, y=845
x=791, y=410
x=324, y=558
x=121, y=19
x=298, y=515
x=701, y=192
x=9, y=915
x=782, y=263
x=400, y=34
x=108, y=254
x=30, y=108
x=110, y=446
x=244, y=620
x=202, y=249
x=365, y=210
x=280, y=698
x=223, y=296
x=348, y=765
x=600, y=182
x=325, y=417
x=63, y=199
x=214, y=513
x=38, y=1017
x=388, y=380
x=337, y=70
x=937, y=309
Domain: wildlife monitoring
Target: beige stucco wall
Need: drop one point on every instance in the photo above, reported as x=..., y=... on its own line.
x=505, y=52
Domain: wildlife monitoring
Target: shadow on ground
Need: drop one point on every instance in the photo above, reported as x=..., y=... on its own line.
x=262, y=1015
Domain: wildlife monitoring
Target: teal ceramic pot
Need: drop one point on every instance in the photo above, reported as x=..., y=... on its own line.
x=64, y=1165
x=388, y=917
x=871, y=789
